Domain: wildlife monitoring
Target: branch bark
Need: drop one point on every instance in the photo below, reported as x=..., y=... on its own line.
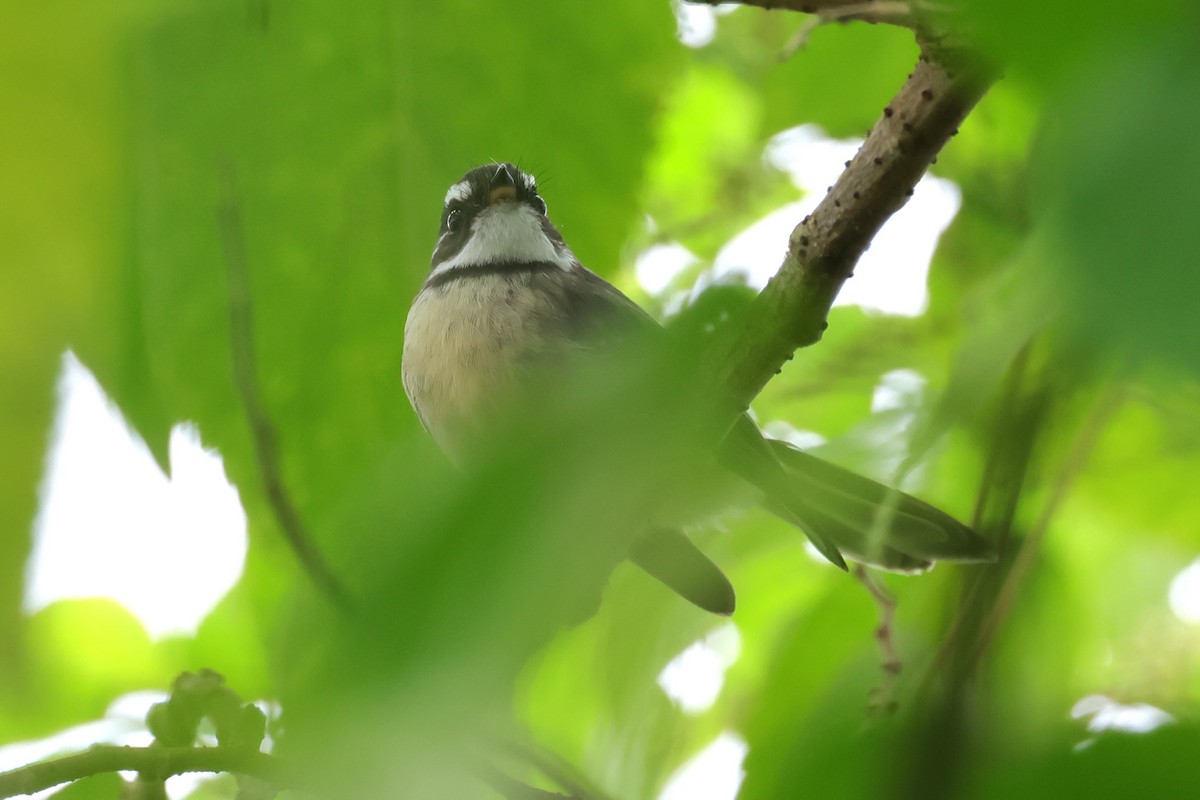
x=792, y=311
x=804, y=6
x=903, y=13
x=154, y=763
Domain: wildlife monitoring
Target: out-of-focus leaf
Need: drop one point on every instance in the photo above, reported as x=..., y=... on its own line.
x=61, y=234
x=1158, y=764
x=1029, y=38
x=841, y=79
x=1118, y=195
x=704, y=179
x=96, y=787
x=82, y=654
x=828, y=643
x=330, y=137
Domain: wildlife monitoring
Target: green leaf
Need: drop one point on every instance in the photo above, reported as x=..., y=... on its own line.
x=96, y=787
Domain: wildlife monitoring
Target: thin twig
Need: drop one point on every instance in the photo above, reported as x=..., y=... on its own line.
x=872, y=11
x=883, y=696
x=1020, y=412
x=1001, y=435
x=1074, y=464
x=266, y=441
x=152, y=763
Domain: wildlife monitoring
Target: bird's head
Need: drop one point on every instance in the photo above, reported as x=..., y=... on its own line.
x=494, y=216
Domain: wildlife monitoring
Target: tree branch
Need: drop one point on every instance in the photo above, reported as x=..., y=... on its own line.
x=266, y=441
x=151, y=763
x=804, y=6
x=792, y=310
x=902, y=13
x=897, y=13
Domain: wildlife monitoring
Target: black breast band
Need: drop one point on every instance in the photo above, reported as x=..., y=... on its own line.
x=494, y=268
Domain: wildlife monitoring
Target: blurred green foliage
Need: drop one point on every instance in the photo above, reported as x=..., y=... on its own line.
x=1063, y=311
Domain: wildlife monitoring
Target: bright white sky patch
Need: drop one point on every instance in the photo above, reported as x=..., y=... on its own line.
x=781, y=429
x=111, y=524
x=1109, y=715
x=659, y=264
x=891, y=276
x=897, y=389
x=695, y=25
x=1184, y=595
x=693, y=679
x=714, y=774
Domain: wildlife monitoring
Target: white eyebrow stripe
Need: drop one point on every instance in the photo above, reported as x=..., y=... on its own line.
x=507, y=233
x=459, y=191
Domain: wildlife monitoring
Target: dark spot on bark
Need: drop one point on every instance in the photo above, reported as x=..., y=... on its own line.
x=805, y=220
x=887, y=111
x=954, y=132
x=856, y=195
x=907, y=126
x=804, y=241
x=909, y=193
x=847, y=163
x=878, y=161
x=837, y=203
x=926, y=94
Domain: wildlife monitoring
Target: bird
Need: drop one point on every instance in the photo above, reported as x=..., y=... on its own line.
x=504, y=290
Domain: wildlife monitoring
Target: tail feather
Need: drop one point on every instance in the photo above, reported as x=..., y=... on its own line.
x=847, y=508
x=842, y=512
x=673, y=559
x=850, y=540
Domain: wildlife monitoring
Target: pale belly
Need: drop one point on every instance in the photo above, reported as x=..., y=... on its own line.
x=467, y=351
x=465, y=344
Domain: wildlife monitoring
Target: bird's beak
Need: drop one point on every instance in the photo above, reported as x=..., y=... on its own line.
x=503, y=188
x=502, y=194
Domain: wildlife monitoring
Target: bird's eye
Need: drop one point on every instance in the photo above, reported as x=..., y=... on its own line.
x=539, y=204
x=454, y=220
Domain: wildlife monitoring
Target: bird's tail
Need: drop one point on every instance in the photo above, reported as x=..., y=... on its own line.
x=845, y=514
x=867, y=521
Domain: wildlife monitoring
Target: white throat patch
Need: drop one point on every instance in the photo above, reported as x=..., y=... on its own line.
x=507, y=232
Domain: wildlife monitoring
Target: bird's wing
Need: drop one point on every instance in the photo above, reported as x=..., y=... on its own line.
x=600, y=315
x=837, y=509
